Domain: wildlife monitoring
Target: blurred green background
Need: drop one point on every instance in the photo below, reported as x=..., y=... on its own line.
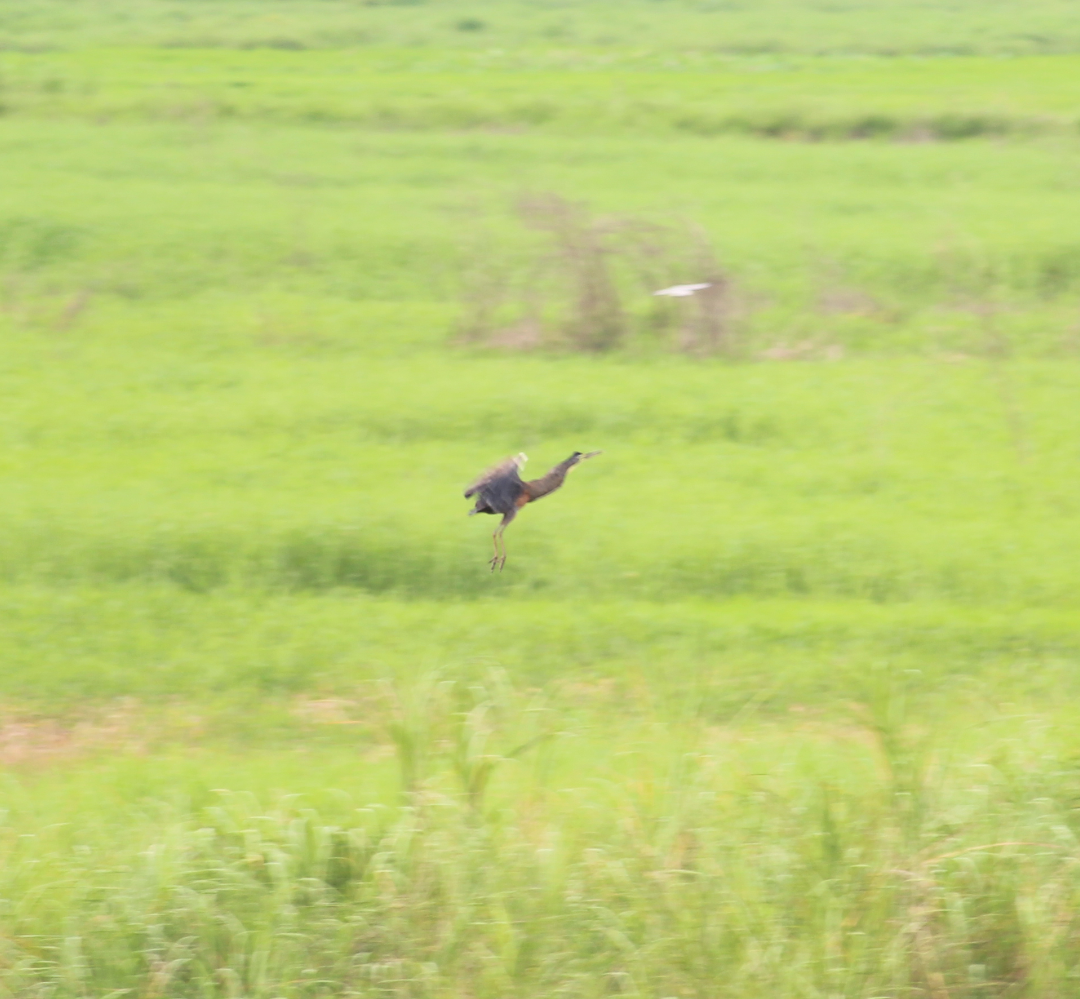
x=776, y=697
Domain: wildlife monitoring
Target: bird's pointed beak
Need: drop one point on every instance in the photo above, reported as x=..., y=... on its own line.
x=591, y=454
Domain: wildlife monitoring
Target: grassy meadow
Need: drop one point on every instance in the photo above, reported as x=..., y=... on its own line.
x=776, y=698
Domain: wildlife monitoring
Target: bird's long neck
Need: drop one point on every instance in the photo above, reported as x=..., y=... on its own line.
x=535, y=488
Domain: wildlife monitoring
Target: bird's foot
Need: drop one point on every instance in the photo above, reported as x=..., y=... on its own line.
x=497, y=563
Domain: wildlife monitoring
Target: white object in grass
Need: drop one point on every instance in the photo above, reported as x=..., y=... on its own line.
x=681, y=290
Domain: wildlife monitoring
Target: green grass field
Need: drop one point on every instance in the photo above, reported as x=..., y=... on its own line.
x=776, y=698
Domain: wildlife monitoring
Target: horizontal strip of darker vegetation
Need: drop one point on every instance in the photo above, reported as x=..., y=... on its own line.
x=458, y=115
x=367, y=557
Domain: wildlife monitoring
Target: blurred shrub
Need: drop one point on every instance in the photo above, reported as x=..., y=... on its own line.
x=588, y=283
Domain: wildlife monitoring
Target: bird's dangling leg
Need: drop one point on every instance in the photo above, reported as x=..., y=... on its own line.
x=498, y=538
x=500, y=550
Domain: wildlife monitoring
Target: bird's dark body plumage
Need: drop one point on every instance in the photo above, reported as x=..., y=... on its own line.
x=502, y=490
x=498, y=489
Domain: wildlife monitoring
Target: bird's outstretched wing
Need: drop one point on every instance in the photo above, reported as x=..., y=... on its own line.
x=507, y=471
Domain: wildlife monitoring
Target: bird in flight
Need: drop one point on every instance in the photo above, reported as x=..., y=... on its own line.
x=682, y=290
x=502, y=490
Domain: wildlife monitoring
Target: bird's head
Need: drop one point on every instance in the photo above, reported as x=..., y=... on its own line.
x=580, y=456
